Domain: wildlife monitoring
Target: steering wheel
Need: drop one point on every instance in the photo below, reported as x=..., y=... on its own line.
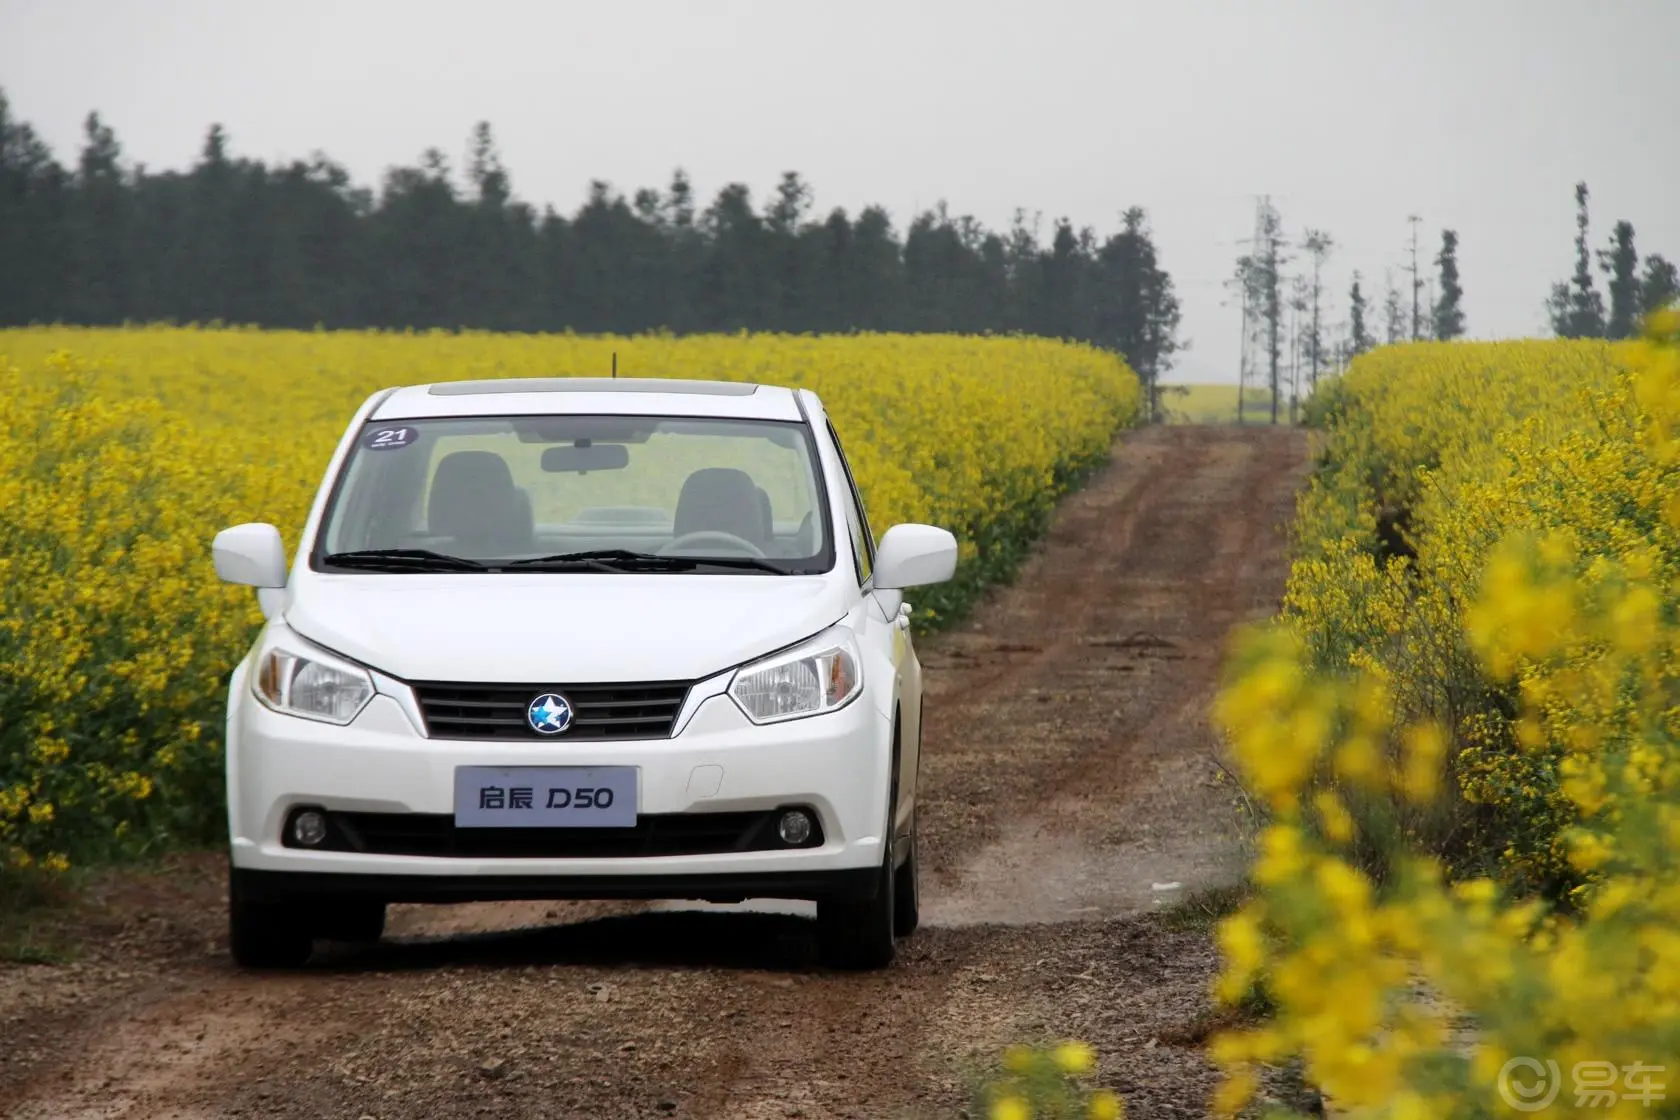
x=713, y=536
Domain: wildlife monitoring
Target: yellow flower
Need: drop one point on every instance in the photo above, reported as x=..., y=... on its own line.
x=1540, y=486
x=1662, y=322
x=1233, y=1093
x=1075, y=1057
x=1337, y=822
x=1589, y=850
x=122, y=450
x=1635, y=620
x=1425, y=746
x=1011, y=1108
x=1105, y=1105
x=1281, y=854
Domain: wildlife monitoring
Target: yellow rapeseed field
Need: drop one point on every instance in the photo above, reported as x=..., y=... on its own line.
x=1468, y=738
x=122, y=452
x=1210, y=403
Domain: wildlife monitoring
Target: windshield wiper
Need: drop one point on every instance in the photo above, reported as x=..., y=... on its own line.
x=751, y=563
x=623, y=559
x=402, y=560
x=607, y=560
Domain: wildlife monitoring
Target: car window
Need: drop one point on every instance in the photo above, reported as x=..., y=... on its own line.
x=863, y=542
x=503, y=488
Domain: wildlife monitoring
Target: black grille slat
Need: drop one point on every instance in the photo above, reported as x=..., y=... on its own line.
x=671, y=834
x=613, y=721
x=456, y=710
x=474, y=720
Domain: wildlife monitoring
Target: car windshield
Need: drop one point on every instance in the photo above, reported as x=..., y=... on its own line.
x=579, y=492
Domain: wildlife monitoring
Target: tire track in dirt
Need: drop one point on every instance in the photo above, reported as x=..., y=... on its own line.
x=1067, y=769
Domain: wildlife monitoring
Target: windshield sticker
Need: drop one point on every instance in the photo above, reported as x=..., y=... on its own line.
x=389, y=439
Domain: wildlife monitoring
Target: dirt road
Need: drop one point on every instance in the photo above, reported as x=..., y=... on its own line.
x=1068, y=782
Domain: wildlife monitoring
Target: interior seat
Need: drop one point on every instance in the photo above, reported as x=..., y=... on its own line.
x=720, y=499
x=769, y=535
x=474, y=500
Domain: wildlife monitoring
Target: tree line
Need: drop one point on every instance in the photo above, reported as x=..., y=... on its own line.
x=1285, y=341
x=1576, y=308
x=299, y=245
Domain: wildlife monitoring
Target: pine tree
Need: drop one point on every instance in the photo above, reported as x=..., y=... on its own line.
x=1359, y=340
x=1259, y=278
x=434, y=246
x=1318, y=244
x=1660, y=285
x=1448, y=315
x=1577, y=310
x=1394, y=313
x=1620, y=262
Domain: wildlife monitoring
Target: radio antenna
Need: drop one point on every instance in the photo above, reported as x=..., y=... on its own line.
x=615, y=365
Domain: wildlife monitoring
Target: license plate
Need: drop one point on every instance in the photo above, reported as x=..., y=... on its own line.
x=545, y=796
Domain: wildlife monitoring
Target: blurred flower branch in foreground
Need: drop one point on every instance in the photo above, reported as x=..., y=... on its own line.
x=1367, y=973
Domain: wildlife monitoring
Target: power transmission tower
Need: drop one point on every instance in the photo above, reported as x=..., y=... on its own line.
x=1417, y=285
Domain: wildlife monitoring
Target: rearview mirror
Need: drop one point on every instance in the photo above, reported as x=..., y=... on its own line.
x=587, y=457
x=914, y=555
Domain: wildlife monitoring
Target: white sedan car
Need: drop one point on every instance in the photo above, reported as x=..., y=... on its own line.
x=578, y=638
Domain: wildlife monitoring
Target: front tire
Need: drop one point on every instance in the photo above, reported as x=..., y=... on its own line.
x=907, y=894
x=264, y=936
x=355, y=921
x=857, y=935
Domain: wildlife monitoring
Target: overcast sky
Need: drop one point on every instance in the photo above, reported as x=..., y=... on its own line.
x=1476, y=115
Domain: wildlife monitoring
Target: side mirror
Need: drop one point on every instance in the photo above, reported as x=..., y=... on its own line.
x=250, y=554
x=913, y=556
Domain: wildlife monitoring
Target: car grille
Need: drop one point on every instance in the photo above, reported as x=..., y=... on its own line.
x=600, y=711
x=668, y=834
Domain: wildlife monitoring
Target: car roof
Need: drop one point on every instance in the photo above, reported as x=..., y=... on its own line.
x=635, y=396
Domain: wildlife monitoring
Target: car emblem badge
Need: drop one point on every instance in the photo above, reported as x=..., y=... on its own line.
x=549, y=714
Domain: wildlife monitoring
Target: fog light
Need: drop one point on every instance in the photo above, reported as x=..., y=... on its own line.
x=794, y=827
x=309, y=828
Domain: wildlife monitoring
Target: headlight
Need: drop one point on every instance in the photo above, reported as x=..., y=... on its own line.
x=311, y=686
x=818, y=676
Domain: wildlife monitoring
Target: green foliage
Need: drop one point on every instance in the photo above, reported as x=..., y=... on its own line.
x=1045, y=1083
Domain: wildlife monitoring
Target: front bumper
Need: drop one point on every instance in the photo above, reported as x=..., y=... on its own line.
x=313, y=887
x=835, y=765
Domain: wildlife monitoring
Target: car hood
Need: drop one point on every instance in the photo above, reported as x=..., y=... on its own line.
x=575, y=628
